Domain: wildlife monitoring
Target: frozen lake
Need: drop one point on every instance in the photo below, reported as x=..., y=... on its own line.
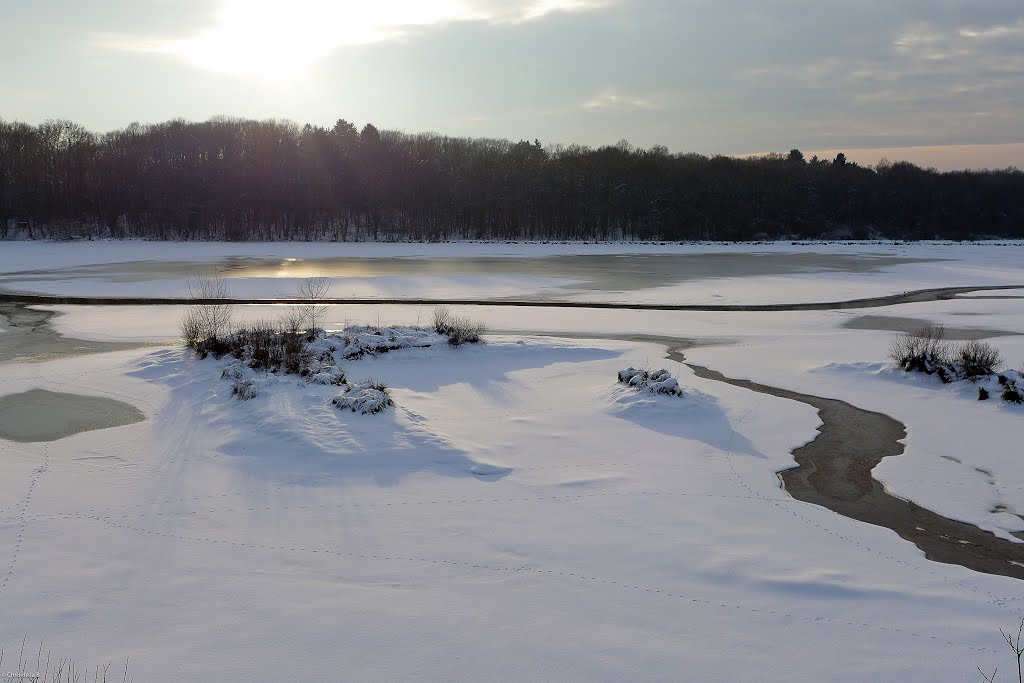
x=561, y=275
x=39, y=415
x=656, y=274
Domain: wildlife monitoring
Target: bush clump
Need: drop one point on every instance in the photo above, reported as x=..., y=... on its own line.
x=925, y=350
x=365, y=398
x=262, y=346
x=458, y=330
x=465, y=331
x=658, y=382
x=978, y=359
x=287, y=347
x=442, y=319
x=355, y=342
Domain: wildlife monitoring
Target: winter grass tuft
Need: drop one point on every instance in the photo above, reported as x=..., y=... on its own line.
x=47, y=668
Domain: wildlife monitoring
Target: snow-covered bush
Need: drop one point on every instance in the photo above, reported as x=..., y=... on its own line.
x=365, y=398
x=234, y=372
x=253, y=354
x=1013, y=392
x=657, y=382
x=245, y=389
x=330, y=375
x=1007, y=386
x=355, y=342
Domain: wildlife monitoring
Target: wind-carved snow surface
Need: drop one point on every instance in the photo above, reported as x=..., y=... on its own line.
x=514, y=494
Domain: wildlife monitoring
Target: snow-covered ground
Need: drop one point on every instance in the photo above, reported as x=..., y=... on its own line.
x=518, y=514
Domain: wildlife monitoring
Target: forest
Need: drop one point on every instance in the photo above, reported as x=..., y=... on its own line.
x=236, y=179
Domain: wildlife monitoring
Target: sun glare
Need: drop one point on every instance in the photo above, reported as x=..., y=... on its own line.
x=274, y=39
x=277, y=40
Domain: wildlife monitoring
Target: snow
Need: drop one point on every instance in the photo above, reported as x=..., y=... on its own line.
x=507, y=500
x=807, y=351
x=517, y=513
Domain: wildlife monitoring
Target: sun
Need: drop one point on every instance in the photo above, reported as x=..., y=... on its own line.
x=278, y=39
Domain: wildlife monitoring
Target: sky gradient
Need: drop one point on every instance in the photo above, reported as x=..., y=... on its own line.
x=939, y=82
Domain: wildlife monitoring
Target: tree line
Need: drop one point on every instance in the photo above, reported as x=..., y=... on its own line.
x=239, y=179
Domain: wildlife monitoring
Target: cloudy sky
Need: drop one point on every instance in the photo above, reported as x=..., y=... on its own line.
x=943, y=76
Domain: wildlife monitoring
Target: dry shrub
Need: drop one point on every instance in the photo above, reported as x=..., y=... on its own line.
x=191, y=326
x=978, y=359
x=459, y=330
x=465, y=331
x=442, y=320
x=294, y=320
x=921, y=350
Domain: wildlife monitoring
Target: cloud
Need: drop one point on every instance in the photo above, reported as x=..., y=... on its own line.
x=613, y=100
x=693, y=74
x=925, y=80
x=278, y=39
x=997, y=32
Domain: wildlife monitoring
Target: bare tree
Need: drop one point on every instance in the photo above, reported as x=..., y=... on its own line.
x=207, y=286
x=313, y=290
x=207, y=319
